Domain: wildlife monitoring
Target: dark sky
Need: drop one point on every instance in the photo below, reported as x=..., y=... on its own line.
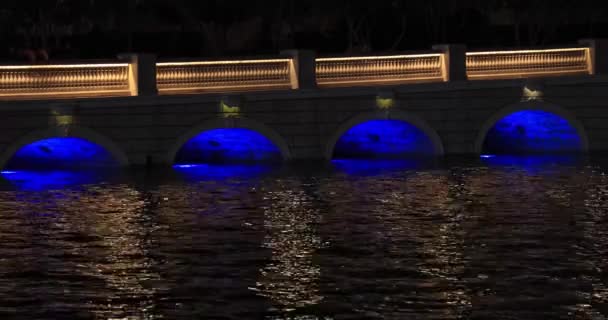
x=67, y=29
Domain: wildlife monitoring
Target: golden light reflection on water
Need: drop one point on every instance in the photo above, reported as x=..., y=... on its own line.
x=441, y=242
x=549, y=204
x=398, y=226
x=596, y=233
x=127, y=268
x=446, y=244
x=104, y=227
x=291, y=278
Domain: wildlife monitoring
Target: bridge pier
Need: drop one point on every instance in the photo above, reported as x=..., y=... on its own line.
x=598, y=51
x=455, y=61
x=304, y=75
x=142, y=73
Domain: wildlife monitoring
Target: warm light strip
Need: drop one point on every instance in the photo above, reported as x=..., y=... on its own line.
x=198, y=63
x=64, y=80
x=527, y=63
x=65, y=93
x=357, y=71
x=524, y=51
x=379, y=57
x=391, y=80
x=525, y=74
x=233, y=87
x=64, y=66
x=231, y=75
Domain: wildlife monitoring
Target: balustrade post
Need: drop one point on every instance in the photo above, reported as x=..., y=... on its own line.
x=304, y=74
x=598, y=51
x=142, y=73
x=455, y=61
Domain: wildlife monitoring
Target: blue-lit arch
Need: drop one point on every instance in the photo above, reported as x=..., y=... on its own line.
x=383, y=139
x=61, y=153
x=216, y=141
x=62, y=148
x=228, y=145
x=533, y=131
x=370, y=127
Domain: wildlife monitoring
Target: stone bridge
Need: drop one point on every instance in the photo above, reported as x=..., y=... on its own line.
x=445, y=101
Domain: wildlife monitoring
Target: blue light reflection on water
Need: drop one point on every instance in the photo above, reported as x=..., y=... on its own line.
x=61, y=152
x=198, y=172
x=228, y=145
x=531, y=162
x=30, y=180
x=360, y=167
x=532, y=132
x=383, y=139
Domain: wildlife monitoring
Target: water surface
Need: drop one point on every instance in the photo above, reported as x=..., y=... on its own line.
x=470, y=239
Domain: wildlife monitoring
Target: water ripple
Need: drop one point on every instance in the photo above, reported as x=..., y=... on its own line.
x=461, y=242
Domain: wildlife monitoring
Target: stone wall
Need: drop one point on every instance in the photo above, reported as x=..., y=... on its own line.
x=306, y=122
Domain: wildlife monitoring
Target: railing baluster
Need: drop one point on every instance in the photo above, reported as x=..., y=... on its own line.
x=526, y=63
x=217, y=76
x=64, y=80
x=378, y=70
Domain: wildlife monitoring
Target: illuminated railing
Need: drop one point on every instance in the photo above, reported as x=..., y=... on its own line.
x=56, y=81
x=360, y=71
x=527, y=63
x=135, y=76
x=216, y=76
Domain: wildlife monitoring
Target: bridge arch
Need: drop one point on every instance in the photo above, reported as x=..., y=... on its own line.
x=540, y=108
x=91, y=136
x=253, y=126
x=404, y=117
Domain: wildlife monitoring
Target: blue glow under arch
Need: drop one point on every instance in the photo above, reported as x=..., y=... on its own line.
x=43, y=180
x=231, y=140
x=63, y=148
x=384, y=135
x=532, y=128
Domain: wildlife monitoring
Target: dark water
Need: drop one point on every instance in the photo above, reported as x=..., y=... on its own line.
x=353, y=241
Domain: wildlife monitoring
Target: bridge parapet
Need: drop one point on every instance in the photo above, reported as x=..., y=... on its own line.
x=488, y=65
x=374, y=70
x=141, y=75
x=64, y=80
x=222, y=76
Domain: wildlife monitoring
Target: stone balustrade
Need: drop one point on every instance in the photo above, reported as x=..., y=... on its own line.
x=142, y=75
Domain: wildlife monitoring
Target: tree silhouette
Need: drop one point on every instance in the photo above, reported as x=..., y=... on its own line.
x=103, y=28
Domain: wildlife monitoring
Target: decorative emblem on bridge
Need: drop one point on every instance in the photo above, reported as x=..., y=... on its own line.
x=230, y=106
x=62, y=116
x=533, y=90
x=385, y=100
